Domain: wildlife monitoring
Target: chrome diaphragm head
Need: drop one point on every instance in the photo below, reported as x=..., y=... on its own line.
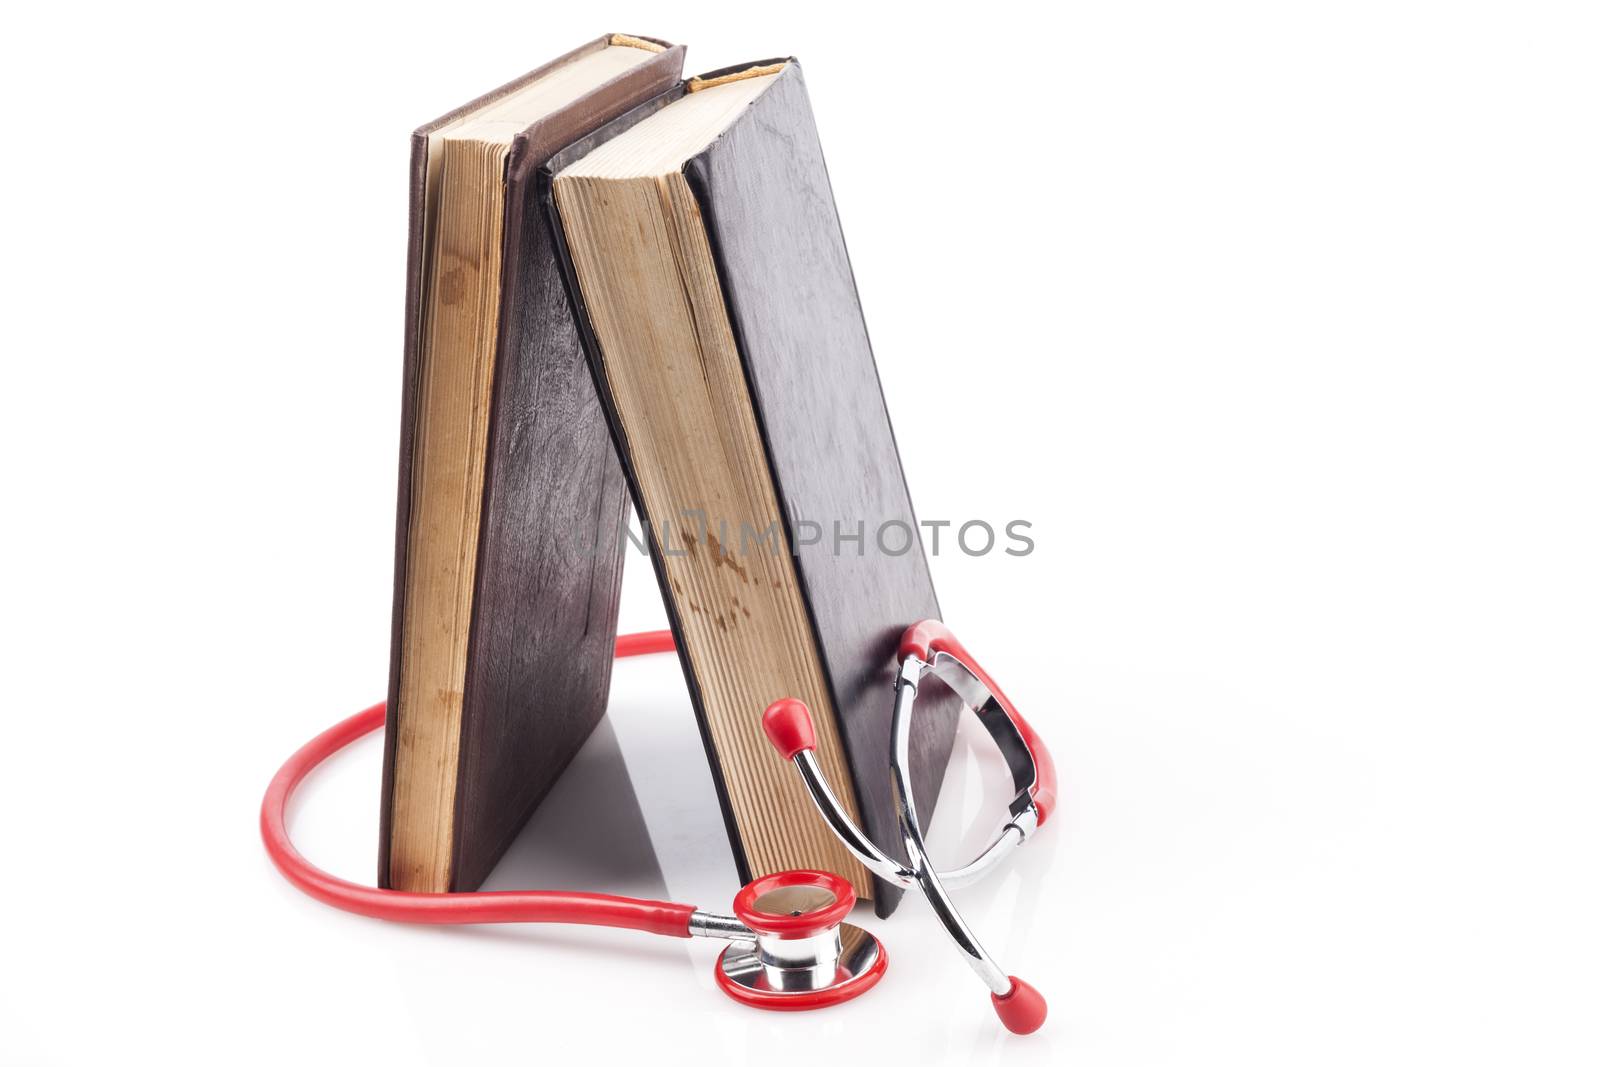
x=802, y=954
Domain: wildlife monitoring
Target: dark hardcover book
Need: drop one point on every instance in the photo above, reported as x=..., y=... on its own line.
x=710, y=279
x=511, y=504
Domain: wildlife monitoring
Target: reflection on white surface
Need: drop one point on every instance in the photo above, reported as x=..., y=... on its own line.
x=972, y=806
x=972, y=802
x=588, y=833
x=636, y=812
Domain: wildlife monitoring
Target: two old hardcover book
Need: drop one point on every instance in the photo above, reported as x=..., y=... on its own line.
x=610, y=263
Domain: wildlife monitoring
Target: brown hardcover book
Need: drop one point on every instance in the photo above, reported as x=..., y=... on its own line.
x=511, y=505
x=709, y=272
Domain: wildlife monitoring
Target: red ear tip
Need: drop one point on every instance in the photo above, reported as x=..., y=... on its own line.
x=788, y=726
x=923, y=639
x=1022, y=1010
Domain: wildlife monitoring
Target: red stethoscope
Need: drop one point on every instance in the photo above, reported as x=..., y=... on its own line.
x=789, y=946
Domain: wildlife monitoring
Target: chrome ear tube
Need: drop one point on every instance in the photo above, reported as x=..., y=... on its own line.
x=930, y=648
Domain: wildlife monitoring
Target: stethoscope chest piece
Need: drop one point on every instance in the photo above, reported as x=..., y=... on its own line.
x=803, y=955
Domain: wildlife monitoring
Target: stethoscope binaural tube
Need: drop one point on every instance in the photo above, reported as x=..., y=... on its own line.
x=928, y=647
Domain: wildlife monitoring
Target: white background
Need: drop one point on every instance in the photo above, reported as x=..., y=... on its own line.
x=1277, y=320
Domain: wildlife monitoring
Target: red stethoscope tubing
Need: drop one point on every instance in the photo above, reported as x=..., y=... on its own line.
x=530, y=906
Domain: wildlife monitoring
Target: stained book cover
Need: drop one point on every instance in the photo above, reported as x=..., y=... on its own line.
x=554, y=504
x=763, y=195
